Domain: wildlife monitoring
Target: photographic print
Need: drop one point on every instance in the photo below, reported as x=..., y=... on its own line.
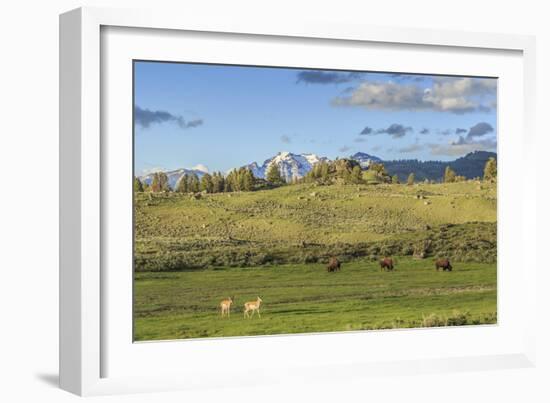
x=274, y=200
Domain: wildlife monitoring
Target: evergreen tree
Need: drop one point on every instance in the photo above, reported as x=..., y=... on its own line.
x=324, y=171
x=164, y=186
x=241, y=179
x=273, y=175
x=233, y=180
x=155, y=183
x=248, y=180
x=221, y=186
x=450, y=175
x=138, y=186
x=227, y=187
x=160, y=183
x=206, y=183
x=183, y=184
x=308, y=177
x=217, y=182
x=229, y=182
x=410, y=179
x=346, y=176
x=378, y=168
x=490, y=171
x=193, y=184
x=380, y=171
x=356, y=175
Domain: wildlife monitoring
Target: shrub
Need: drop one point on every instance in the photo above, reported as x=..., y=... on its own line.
x=458, y=318
x=433, y=320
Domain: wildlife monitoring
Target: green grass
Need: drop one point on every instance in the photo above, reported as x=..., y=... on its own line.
x=301, y=298
x=306, y=223
x=191, y=253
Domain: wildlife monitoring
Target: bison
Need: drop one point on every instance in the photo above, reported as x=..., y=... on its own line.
x=333, y=265
x=444, y=264
x=386, y=263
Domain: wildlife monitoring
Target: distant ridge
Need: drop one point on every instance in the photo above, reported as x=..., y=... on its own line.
x=298, y=165
x=470, y=166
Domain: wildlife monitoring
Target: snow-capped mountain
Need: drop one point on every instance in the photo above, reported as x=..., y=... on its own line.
x=173, y=176
x=290, y=165
x=365, y=159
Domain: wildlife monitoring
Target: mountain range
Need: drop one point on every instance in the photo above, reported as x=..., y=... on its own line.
x=297, y=165
x=173, y=176
x=290, y=165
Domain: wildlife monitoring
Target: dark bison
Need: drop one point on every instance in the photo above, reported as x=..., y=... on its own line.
x=333, y=265
x=444, y=264
x=386, y=263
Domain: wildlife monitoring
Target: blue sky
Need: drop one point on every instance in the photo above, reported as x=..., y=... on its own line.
x=222, y=117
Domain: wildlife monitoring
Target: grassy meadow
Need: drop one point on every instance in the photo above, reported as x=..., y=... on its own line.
x=192, y=251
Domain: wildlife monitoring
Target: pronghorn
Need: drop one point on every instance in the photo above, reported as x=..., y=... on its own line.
x=225, y=306
x=252, y=306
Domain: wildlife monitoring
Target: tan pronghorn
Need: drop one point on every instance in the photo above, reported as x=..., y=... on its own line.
x=253, y=306
x=225, y=306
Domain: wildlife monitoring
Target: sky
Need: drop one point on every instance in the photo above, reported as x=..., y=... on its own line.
x=219, y=117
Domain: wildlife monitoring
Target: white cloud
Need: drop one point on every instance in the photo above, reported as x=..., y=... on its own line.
x=462, y=146
x=200, y=167
x=378, y=95
x=449, y=94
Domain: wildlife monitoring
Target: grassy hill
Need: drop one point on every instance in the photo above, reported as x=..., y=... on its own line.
x=307, y=223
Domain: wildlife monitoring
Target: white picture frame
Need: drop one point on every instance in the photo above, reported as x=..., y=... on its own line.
x=86, y=346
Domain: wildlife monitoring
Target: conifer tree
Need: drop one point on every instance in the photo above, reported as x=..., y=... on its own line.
x=273, y=175
x=324, y=171
x=410, y=179
x=450, y=175
x=164, y=185
x=160, y=182
x=217, y=182
x=221, y=185
x=241, y=179
x=379, y=168
x=193, y=184
x=183, y=184
x=316, y=171
x=248, y=180
x=356, y=175
x=227, y=187
x=155, y=183
x=206, y=183
x=490, y=171
x=232, y=181
x=138, y=186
